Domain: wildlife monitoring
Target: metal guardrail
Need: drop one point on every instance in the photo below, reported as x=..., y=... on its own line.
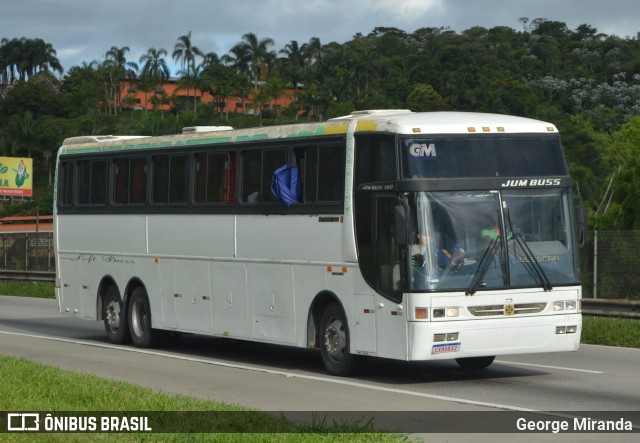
x=599, y=307
x=7, y=274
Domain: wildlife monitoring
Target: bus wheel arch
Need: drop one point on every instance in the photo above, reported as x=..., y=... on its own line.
x=332, y=335
x=139, y=316
x=113, y=312
x=319, y=304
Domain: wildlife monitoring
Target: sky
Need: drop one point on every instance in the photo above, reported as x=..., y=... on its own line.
x=84, y=30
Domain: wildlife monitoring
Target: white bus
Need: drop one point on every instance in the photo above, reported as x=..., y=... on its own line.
x=409, y=236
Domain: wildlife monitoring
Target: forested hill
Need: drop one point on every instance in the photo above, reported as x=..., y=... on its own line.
x=586, y=82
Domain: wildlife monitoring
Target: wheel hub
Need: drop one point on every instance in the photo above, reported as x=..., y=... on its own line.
x=113, y=315
x=335, y=339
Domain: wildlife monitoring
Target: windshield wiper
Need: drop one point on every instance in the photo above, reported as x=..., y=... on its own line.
x=483, y=266
x=546, y=283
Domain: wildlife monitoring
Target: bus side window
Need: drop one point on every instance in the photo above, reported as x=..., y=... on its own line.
x=251, y=170
x=169, y=179
x=66, y=183
x=331, y=164
x=321, y=172
x=178, y=179
x=92, y=182
x=375, y=159
x=129, y=180
x=271, y=160
x=138, y=181
x=258, y=166
x=307, y=162
x=160, y=175
x=120, y=180
x=215, y=178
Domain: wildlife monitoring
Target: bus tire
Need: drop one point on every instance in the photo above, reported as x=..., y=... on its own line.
x=140, y=320
x=114, y=316
x=475, y=362
x=334, y=342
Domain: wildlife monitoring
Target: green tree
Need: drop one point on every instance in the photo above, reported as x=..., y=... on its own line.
x=191, y=78
x=274, y=89
x=21, y=59
x=113, y=71
x=239, y=59
x=223, y=83
x=185, y=52
x=81, y=90
x=293, y=63
x=40, y=95
x=617, y=206
x=424, y=98
x=256, y=52
x=154, y=70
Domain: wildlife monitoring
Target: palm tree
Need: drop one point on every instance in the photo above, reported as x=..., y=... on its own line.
x=41, y=57
x=186, y=53
x=239, y=59
x=294, y=62
x=312, y=52
x=192, y=77
x=154, y=64
x=257, y=51
x=210, y=58
x=274, y=89
x=115, y=69
x=23, y=58
x=155, y=67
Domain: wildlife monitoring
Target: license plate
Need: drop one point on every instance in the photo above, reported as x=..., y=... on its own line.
x=445, y=347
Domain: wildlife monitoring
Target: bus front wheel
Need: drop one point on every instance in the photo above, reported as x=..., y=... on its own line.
x=475, y=362
x=114, y=316
x=334, y=342
x=140, y=319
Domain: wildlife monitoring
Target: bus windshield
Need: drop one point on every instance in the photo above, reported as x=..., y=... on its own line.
x=475, y=240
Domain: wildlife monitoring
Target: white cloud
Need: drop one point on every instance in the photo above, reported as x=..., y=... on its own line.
x=405, y=10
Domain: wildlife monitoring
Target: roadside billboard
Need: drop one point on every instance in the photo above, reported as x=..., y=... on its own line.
x=16, y=176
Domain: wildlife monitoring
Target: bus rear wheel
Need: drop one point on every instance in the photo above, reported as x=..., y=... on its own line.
x=475, y=362
x=334, y=342
x=140, y=320
x=115, y=318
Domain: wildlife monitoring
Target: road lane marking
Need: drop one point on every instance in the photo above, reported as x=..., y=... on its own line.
x=338, y=381
x=587, y=371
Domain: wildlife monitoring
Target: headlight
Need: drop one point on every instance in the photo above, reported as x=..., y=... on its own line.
x=571, y=305
x=452, y=311
x=565, y=305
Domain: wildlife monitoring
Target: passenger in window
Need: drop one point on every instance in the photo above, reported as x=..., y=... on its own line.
x=493, y=233
x=442, y=257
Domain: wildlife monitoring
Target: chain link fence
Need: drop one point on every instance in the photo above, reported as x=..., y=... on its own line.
x=610, y=261
x=31, y=251
x=610, y=265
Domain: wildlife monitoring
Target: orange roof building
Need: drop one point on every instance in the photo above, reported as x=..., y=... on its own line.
x=171, y=94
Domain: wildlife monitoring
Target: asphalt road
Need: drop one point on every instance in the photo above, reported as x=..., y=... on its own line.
x=276, y=378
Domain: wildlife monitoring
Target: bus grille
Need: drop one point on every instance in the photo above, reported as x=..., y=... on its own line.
x=519, y=309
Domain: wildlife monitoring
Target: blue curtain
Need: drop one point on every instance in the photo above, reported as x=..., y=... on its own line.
x=285, y=185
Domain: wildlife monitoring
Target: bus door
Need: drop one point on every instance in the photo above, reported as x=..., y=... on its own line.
x=390, y=327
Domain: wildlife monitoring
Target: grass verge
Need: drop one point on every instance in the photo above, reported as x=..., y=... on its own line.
x=610, y=331
x=27, y=386
x=21, y=288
